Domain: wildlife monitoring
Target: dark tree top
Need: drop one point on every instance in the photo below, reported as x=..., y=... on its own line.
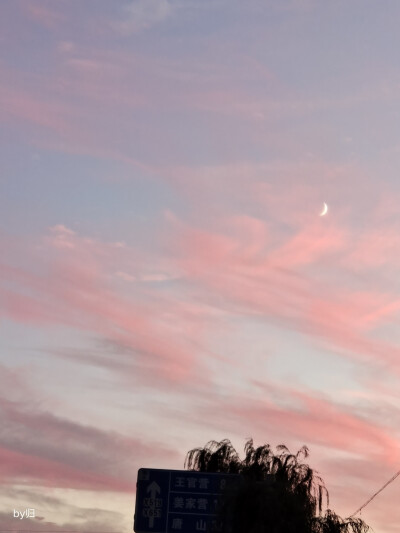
x=292, y=503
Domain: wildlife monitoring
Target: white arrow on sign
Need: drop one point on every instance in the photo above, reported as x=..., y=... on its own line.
x=154, y=489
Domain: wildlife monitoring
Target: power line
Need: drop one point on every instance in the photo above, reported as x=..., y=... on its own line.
x=376, y=493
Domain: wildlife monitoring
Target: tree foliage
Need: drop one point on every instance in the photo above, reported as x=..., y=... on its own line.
x=278, y=493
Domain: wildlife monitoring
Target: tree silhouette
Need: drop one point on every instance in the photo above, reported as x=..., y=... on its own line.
x=278, y=493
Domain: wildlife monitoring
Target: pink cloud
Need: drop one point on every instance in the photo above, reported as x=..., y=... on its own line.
x=74, y=284
x=309, y=419
x=41, y=448
x=62, y=111
x=92, y=95
x=246, y=263
x=19, y=104
x=375, y=248
x=43, y=13
x=22, y=468
x=250, y=267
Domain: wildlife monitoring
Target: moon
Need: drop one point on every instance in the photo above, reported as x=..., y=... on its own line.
x=324, y=210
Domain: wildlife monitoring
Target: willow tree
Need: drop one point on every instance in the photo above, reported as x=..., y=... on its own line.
x=278, y=492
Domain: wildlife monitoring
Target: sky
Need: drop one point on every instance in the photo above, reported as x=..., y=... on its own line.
x=166, y=278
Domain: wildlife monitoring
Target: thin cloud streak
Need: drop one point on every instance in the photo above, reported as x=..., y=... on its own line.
x=40, y=448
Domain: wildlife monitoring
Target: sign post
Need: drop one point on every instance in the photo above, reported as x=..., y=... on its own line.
x=179, y=501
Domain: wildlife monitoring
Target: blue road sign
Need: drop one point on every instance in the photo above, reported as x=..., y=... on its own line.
x=179, y=501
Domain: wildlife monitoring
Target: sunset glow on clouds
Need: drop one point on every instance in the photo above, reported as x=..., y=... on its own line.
x=165, y=276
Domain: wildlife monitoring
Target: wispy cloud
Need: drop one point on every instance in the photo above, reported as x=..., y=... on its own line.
x=43, y=13
x=141, y=15
x=77, y=288
x=39, y=447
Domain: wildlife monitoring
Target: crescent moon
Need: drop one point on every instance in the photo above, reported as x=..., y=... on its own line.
x=324, y=210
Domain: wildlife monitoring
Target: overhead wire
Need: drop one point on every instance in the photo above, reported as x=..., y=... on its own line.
x=376, y=493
